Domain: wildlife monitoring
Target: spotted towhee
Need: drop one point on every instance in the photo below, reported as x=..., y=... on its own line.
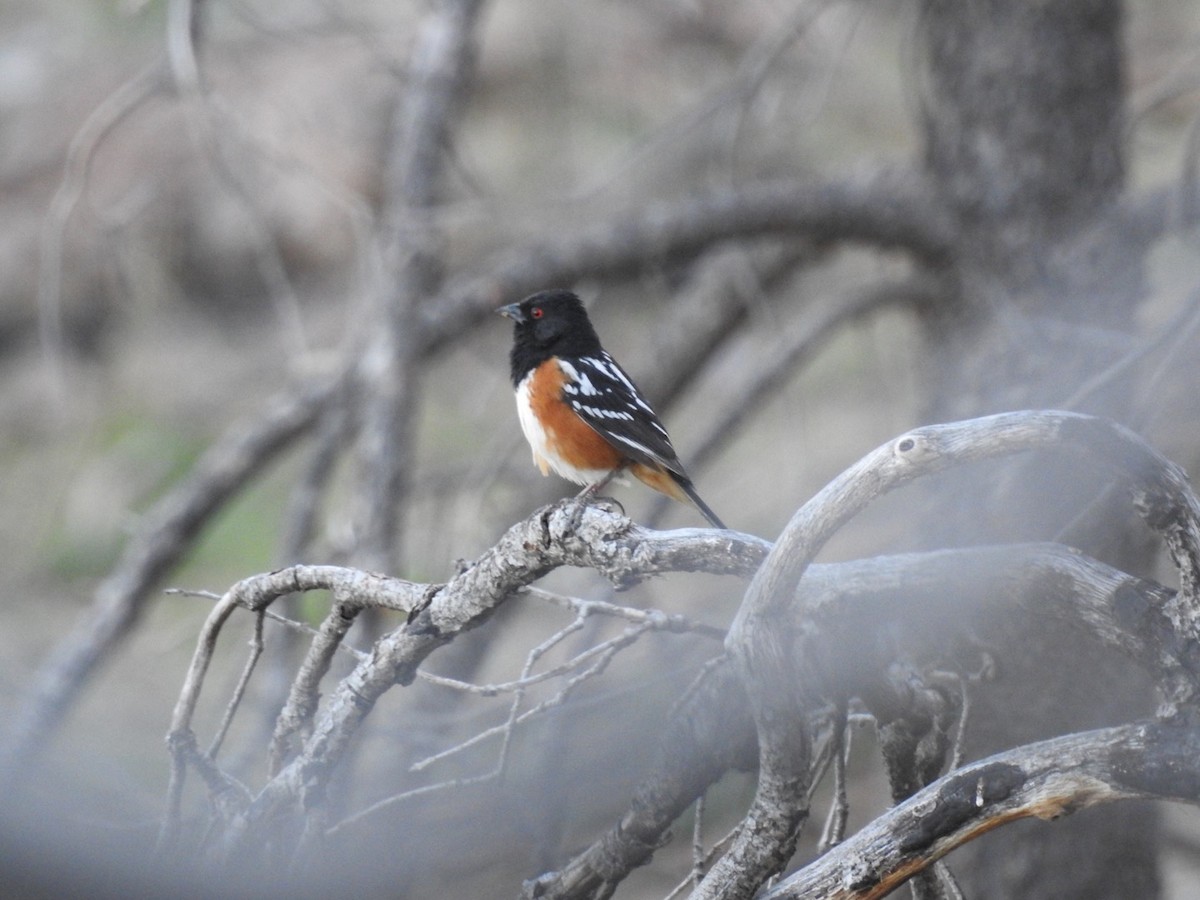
x=582, y=415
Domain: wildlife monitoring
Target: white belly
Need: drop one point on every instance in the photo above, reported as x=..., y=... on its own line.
x=543, y=455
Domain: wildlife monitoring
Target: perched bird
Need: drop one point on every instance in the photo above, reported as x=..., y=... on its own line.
x=582, y=415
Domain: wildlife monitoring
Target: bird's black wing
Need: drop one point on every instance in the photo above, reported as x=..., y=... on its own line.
x=607, y=399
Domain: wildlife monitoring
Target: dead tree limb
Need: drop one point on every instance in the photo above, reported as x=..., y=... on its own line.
x=608, y=543
x=388, y=373
x=851, y=619
x=887, y=208
x=1047, y=781
x=813, y=635
x=760, y=648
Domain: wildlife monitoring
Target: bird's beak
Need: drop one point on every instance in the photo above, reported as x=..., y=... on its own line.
x=512, y=311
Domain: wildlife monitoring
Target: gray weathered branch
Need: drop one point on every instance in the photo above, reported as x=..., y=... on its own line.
x=849, y=619
x=1046, y=780
x=388, y=370
x=602, y=541
x=889, y=208
x=760, y=648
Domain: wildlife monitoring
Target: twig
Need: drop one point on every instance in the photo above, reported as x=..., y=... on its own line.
x=654, y=619
x=741, y=87
x=1163, y=347
x=288, y=623
x=239, y=691
x=96, y=127
x=705, y=735
x=657, y=619
x=184, y=35
x=804, y=342
x=304, y=694
x=531, y=659
x=504, y=729
x=839, y=808
x=442, y=63
x=709, y=314
x=603, y=653
x=756, y=65
x=947, y=883
x=710, y=310
x=396, y=799
x=257, y=593
x=964, y=718
x=713, y=853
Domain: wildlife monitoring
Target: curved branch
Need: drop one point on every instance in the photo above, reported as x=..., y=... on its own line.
x=889, y=208
x=760, y=648
x=1162, y=493
x=922, y=600
x=353, y=588
x=928, y=599
x=547, y=540
x=1046, y=780
x=99, y=124
x=808, y=337
x=711, y=731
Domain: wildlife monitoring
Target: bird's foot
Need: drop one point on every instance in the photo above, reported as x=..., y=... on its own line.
x=590, y=493
x=612, y=504
x=578, y=505
x=582, y=501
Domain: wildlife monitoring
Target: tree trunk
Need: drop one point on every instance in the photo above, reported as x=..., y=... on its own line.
x=1022, y=116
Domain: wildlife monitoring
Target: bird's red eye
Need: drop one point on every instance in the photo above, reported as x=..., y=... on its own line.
x=537, y=312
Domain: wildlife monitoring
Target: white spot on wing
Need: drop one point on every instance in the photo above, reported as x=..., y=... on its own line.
x=577, y=382
x=601, y=413
x=615, y=371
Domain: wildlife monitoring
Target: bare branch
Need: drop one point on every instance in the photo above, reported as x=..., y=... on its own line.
x=442, y=62
x=921, y=599
x=1047, y=780
x=652, y=619
x=834, y=831
x=603, y=541
x=256, y=649
x=301, y=705
x=804, y=342
x=256, y=594
x=710, y=310
x=701, y=741
x=889, y=208
x=99, y=125
x=759, y=647
x=710, y=733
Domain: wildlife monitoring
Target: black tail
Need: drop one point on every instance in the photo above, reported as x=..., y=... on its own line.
x=688, y=489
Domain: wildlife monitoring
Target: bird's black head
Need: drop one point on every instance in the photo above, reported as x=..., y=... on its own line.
x=546, y=324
